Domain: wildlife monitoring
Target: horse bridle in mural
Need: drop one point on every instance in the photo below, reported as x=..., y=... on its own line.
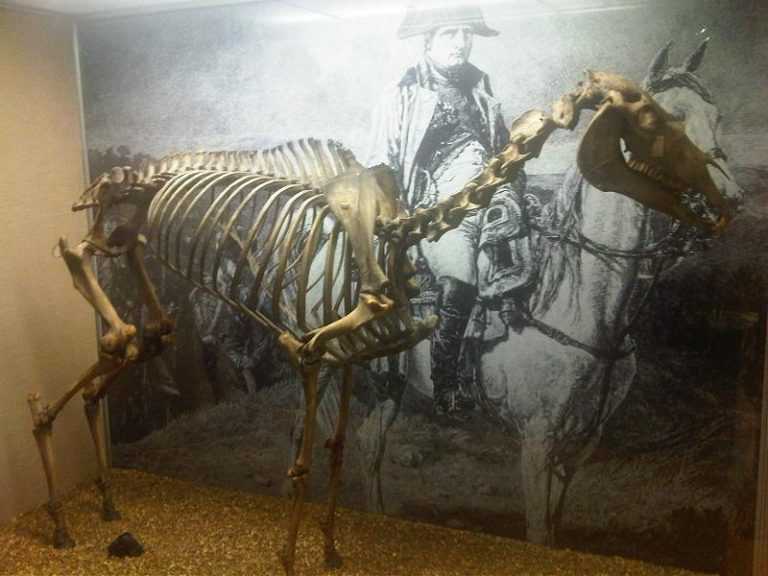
x=676, y=241
x=322, y=261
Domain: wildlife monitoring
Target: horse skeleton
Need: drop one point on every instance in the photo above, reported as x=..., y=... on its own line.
x=321, y=260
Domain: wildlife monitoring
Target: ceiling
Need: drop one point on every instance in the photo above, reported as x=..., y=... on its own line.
x=85, y=7
x=332, y=8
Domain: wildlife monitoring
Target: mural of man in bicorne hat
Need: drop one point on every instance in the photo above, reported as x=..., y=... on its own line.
x=436, y=128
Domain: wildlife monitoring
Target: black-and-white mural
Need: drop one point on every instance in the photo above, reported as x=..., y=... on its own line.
x=596, y=374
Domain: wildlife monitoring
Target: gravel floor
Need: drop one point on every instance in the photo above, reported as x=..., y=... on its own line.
x=192, y=529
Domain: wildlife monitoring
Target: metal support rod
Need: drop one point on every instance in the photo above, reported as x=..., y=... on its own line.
x=760, y=558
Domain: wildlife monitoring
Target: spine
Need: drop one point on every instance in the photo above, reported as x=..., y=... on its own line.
x=308, y=160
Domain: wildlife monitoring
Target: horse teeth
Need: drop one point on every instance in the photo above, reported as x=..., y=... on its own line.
x=652, y=172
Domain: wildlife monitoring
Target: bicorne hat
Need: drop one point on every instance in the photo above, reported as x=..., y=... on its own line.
x=420, y=20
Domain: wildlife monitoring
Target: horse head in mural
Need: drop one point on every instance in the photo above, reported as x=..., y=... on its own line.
x=549, y=342
x=319, y=251
x=682, y=94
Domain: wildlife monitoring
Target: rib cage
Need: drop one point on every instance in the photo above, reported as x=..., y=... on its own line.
x=254, y=230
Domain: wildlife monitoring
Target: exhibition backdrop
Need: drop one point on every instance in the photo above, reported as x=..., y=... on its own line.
x=665, y=469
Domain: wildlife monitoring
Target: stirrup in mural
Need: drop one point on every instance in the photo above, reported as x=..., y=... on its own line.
x=454, y=405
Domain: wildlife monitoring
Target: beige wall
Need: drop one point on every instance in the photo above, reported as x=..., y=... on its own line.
x=46, y=330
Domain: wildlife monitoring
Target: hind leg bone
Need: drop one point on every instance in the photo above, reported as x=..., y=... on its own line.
x=119, y=340
x=43, y=417
x=159, y=329
x=157, y=334
x=117, y=350
x=94, y=412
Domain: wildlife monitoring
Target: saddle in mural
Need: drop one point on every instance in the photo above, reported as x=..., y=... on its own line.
x=313, y=246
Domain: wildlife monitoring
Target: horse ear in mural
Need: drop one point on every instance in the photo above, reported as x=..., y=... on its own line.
x=320, y=245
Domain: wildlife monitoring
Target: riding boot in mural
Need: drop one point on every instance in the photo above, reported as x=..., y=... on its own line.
x=456, y=305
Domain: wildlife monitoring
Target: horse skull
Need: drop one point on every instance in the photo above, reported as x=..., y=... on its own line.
x=659, y=163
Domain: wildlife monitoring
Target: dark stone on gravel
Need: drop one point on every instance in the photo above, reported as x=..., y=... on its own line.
x=125, y=545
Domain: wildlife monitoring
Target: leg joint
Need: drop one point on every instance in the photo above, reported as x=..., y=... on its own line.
x=54, y=509
x=42, y=421
x=91, y=404
x=336, y=446
x=298, y=472
x=102, y=484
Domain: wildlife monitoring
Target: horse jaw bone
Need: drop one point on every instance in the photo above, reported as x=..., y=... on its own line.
x=662, y=164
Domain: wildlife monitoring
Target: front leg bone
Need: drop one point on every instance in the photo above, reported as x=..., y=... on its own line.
x=336, y=446
x=299, y=472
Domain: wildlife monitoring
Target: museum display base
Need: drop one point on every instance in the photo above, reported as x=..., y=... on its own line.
x=189, y=528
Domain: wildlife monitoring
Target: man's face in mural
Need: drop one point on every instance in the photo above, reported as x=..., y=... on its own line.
x=505, y=261
x=449, y=46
